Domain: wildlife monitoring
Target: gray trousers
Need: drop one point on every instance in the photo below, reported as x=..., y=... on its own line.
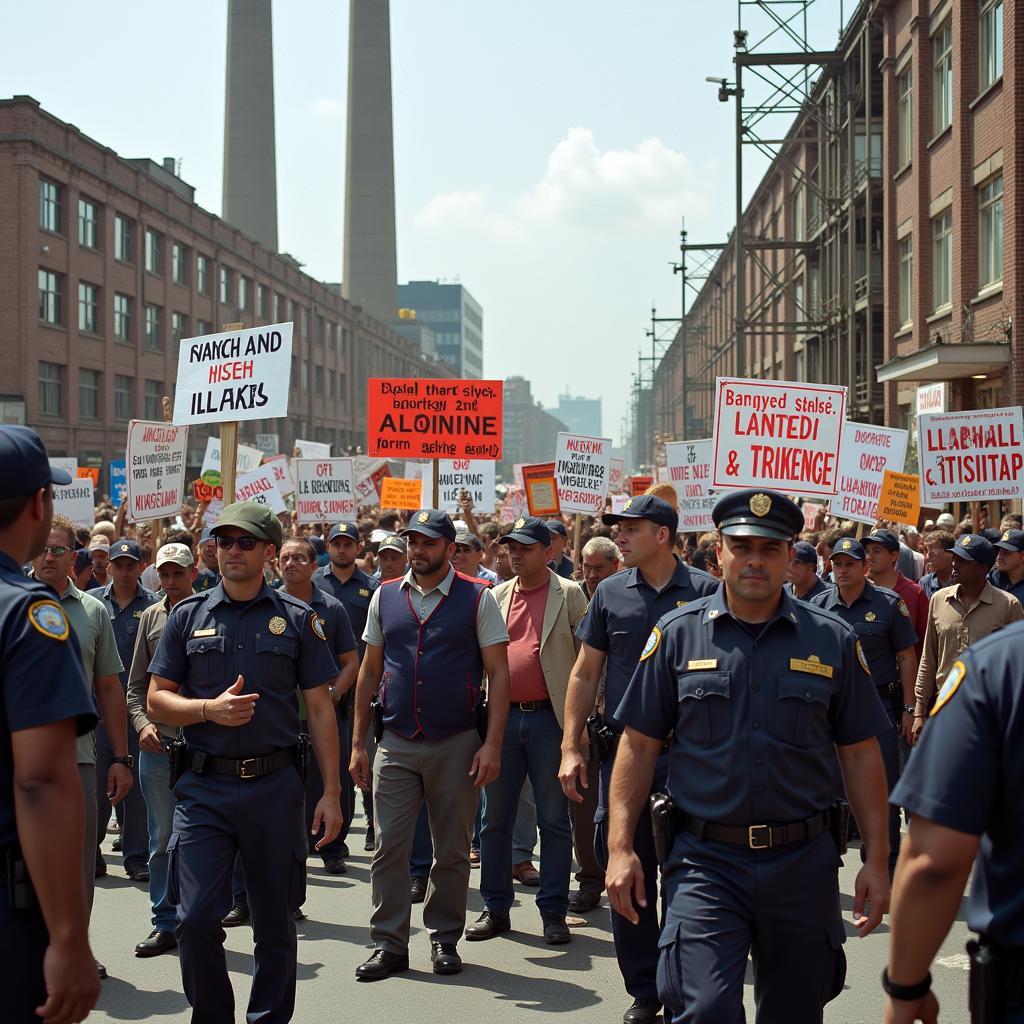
x=87, y=776
x=405, y=773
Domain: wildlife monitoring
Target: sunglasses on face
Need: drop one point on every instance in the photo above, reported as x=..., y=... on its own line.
x=57, y=550
x=244, y=543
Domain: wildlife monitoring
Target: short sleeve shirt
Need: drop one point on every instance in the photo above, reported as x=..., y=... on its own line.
x=817, y=588
x=125, y=622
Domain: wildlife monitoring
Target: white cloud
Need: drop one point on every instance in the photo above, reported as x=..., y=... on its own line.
x=469, y=210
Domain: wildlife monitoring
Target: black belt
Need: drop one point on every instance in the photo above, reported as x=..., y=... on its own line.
x=531, y=705
x=242, y=768
x=754, y=837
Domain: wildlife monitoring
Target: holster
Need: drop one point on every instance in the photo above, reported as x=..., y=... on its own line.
x=21, y=893
x=177, y=754
x=995, y=982
x=839, y=823
x=480, y=714
x=377, y=711
x=302, y=756
x=602, y=737
x=661, y=825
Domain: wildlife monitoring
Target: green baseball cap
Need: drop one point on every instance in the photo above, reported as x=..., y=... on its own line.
x=252, y=517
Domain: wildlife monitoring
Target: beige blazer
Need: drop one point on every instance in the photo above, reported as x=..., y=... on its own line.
x=566, y=606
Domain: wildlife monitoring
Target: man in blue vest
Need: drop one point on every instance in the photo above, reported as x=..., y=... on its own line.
x=430, y=636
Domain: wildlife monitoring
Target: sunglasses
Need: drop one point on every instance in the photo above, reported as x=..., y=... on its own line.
x=57, y=550
x=226, y=543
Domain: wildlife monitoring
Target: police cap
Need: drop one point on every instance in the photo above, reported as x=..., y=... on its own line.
x=557, y=526
x=431, y=523
x=126, y=549
x=850, y=547
x=975, y=548
x=254, y=518
x=756, y=513
x=344, y=530
x=803, y=551
x=1011, y=540
x=24, y=465
x=886, y=538
x=392, y=542
x=647, y=506
x=528, y=530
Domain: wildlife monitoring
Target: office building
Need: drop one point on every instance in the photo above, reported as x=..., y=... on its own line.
x=456, y=319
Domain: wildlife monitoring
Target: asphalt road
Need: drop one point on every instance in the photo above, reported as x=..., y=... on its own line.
x=509, y=979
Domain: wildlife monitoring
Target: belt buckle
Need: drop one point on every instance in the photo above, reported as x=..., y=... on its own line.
x=527, y=705
x=756, y=842
x=247, y=768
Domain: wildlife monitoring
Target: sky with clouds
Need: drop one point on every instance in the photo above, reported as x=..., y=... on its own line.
x=545, y=151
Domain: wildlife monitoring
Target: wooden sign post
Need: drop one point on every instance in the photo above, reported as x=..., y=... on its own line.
x=229, y=444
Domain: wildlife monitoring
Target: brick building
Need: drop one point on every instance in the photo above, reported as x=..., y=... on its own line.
x=107, y=263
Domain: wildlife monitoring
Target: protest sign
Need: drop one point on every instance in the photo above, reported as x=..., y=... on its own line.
x=473, y=475
x=282, y=473
x=212, y=512
x=235, y=375
x=541, y=489
x=269, y=444
x=619, y=502
x=204, y=492
x=688, y=464
x=118, y=481
x=367, y=474
x=449, y=419
x=868, y=451
x=402, y=494
x=417, y=470
x=899, y=500
x=639, y=484
x=312, y=450
x=68, y=464
x=811, y=511
x=517, y=474
x=582, y=467
x=975, y=455
x=76, y=501
x=246, y=461
x=931, y=397
x=778, y=434
x=324, y=490
x=89, y=473
x=616, y=476
x=259, y=485
x=513, y=506
x=155, y=458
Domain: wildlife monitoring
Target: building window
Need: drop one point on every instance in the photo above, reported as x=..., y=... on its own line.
x=179, y=264
x=942, y=49
x=318, y=377
x=332, y=384
x=906, y=250
x=203, y=327
x=154, y=243
x=243, y=292
x=122, y=239
x=50, y=378
x=202, y=274
x=153, y=334
x=261, y=302
x=905, y=88
x=179, y=327
x=50, y=297
x=88, y=224
x=990, y=41
x=123, y=404
x=89, y=394
x=225, y=285
x=88, y=308
x=49, y=205
x=304, y=383
x=942, y=259
x=151, y=400
x=305, y=323
x=122, y=317
x=278, y=307
x=799, y=228
x=990, y=232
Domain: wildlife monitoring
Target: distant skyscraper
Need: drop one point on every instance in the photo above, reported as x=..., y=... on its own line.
x=456, y=319
x=580, y=415
x=250, y=171
x=370, y=274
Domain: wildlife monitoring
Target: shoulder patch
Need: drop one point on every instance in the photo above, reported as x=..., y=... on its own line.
x=862, y=658
x=49, y=619
x=949, y=687
x=317, y=626
x=652, y=644
x=904, y=610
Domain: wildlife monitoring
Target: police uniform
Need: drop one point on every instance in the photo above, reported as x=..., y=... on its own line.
x=242, y=792
x=1011, y=540
x=753, y=711
x=965, y=773
x=37, y=649
x=205, y=578
x=619, y=619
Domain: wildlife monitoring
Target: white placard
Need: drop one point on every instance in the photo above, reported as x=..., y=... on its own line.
x=779, y=434
x=234, y=375
x=324, y=491
x=246, y=461
x=212, y=512
x=260, y=485
x=417, y=471
x=582, y=468
x=974, y=455
x=362, y=471
x=283, y=475
x=688, y=465
x=76, y=501
x=931, y=398
x=312, y=450
x=269, y=444
x=69, y=465
x=473, y=475
x=155, y=466
x=616, y=476
x=868, y=451
x=619, y=502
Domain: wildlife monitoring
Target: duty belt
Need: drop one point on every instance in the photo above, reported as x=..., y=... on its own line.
x=754, y=837
x=241, y=768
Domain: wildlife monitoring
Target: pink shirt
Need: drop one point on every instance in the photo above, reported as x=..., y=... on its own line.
x=525, y=629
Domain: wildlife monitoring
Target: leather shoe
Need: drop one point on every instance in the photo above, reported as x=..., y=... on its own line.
x=335, y=866
x=100, y=969
x=474, y=858
x=381, y=964
x=101, y=868
x=116, y=845
x=487, y=925
x=445, y=958
x=299, y=915
x=525, y=873
x=138, y=874
x=235, y=916
x=643, y=1011
x=556, y=931
x=584, y=900
x=343, y=851
x=157, y=943
x=368, y=842
x=417, y=889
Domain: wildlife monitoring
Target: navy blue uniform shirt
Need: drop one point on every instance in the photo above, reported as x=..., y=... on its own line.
x=754, y=709
x=354, y=594
x=274, y=642
x=563, y=567
x=41, y=674
x=125, y=622
x=817, y=588
x=999, y=579
x=620, y=616
x=965, y=774
x=930, y=584
x=205, y=580
x=881, y=620
x=334, y=621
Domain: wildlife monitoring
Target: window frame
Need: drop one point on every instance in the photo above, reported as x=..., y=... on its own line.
x=124, y=238
x=987, y=248
x=94, y=388
x=51, y=308
x=153, y=253
x=905, y=116
x=991, y=34
x=942, y=258
x=942, y=77
x=153, y=332
x=42, y=384
x=85, y=223
x=119, y=394
x=83, y=305
x=905, y=296
x=123, y=318
x=50, y=205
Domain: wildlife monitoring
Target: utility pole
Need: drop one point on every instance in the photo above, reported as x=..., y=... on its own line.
x=740, y=41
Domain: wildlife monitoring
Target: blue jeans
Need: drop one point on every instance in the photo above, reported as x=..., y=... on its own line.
x=524, y=836
x=531, y=747
x=154, y=779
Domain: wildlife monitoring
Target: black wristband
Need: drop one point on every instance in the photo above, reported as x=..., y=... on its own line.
x=906, y=993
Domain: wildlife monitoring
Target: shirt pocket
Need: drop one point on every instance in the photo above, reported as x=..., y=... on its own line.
x=801, y=718
x=276, y=658
x=705, y=706
x=206, y=659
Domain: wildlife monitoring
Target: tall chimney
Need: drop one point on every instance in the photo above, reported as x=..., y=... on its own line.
x=250, y=173
x=370, y=273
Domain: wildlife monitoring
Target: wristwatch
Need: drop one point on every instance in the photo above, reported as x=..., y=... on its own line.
x=128, y=761
x=909, y=709
x=906, y=993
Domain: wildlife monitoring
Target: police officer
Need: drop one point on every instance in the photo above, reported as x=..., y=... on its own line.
x=49, y=970
x=227, y=668
x=881, y=620
x=759, y=693
x=962, y=786
x=803, y=580
x=209, y=574
x=1008, y=574
x=621, y=613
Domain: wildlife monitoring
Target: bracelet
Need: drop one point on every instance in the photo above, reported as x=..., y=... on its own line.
x=202, y=710
x=906, y=993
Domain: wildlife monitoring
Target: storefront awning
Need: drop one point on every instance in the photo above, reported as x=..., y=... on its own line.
x=946, y=361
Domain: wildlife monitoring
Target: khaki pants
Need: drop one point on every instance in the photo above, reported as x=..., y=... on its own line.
x=405, y=772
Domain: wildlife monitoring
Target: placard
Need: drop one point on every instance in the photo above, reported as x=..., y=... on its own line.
x=155, y=457
x=541, y=489
x=90, y=472
x=868, y=451
x=619, y=503
x=204, y=492
x=582, y=467
x=900, y=498
x=476, y=476
x=931, y=398
x=118, y=474
x=368, y=474
x=514, y=506
x=779, y=434
x=324, y=491
x=234, y=375
x=688, y=465
x=67, y=463
x=401, y=494
x=436, y=419
x=282, y=473
x=312, y=449
x=616, y=476
x=246, y=461
x=259, y=485
x=976, y=455
x=76, y=501
x=811, y=511
x=639, y=484
x=269, y=444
